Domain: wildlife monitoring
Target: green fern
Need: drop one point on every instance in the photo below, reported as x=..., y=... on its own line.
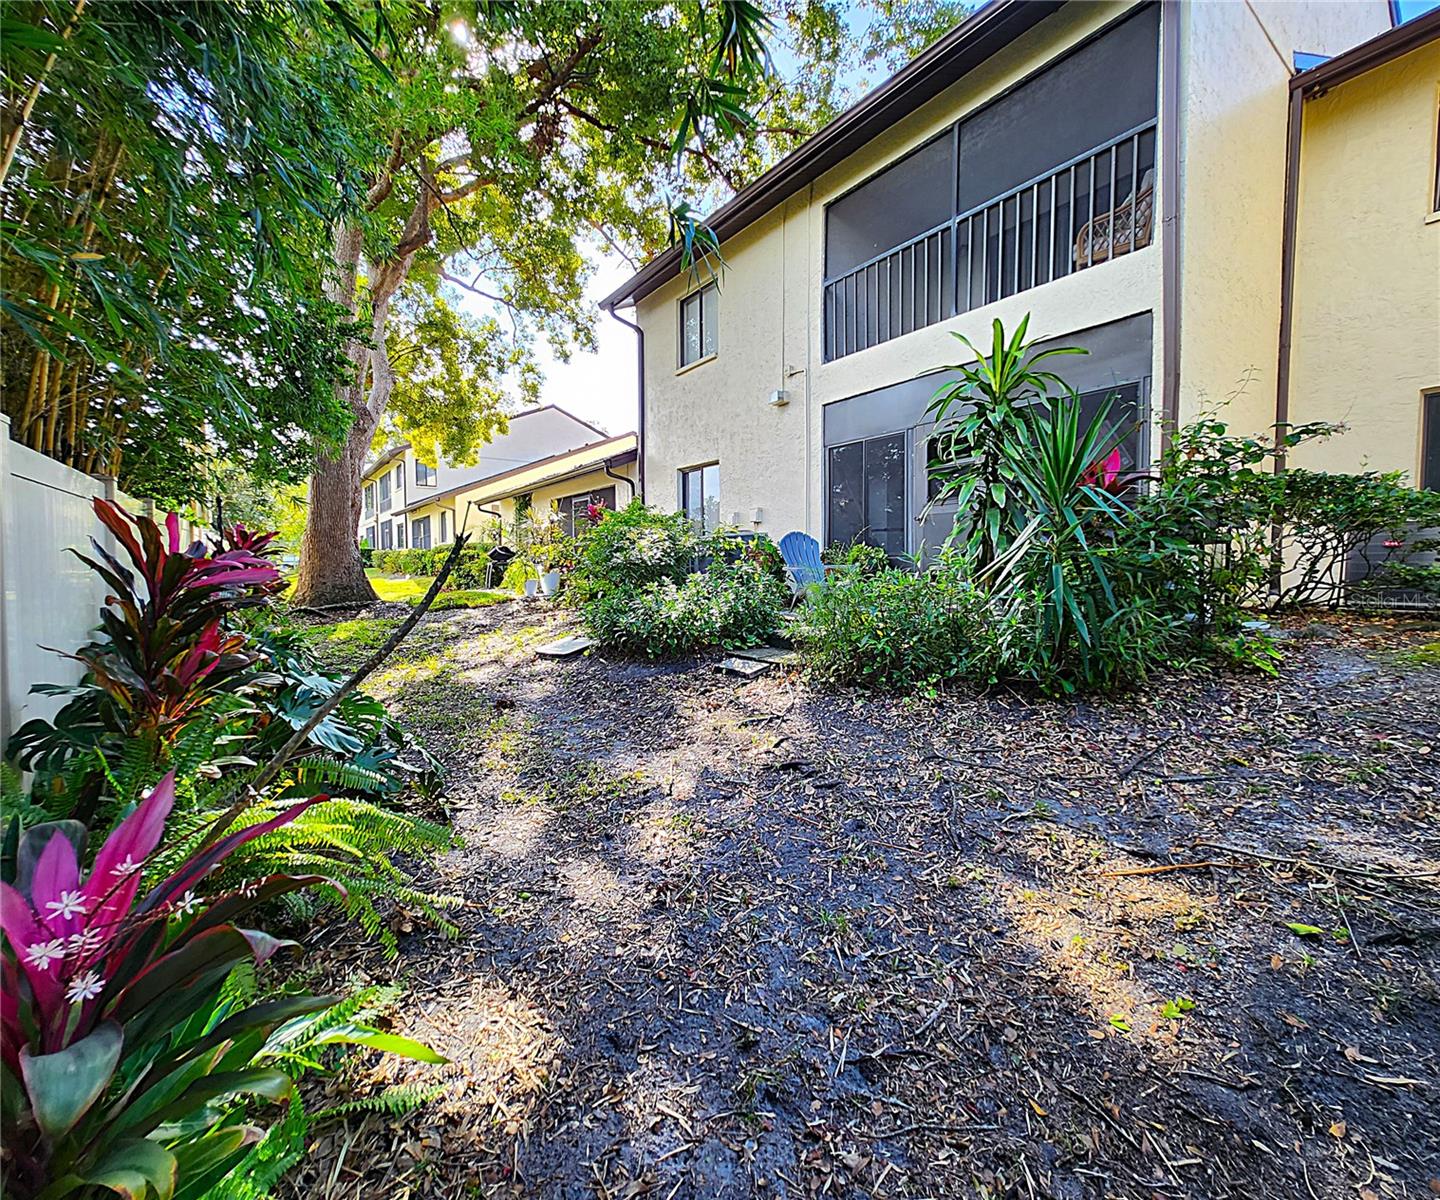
x=349, y=842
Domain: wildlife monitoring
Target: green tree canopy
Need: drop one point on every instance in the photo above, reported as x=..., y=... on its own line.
x=171, y=176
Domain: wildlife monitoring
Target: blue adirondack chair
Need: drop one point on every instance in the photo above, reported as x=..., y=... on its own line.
x=801, y=553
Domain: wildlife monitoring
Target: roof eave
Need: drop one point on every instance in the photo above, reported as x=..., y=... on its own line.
x=1379, y=50
x=946, y=61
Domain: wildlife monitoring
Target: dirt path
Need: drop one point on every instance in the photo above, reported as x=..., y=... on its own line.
x=728, y=940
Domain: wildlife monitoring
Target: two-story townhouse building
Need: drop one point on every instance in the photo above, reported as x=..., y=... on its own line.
x=1116, y=170
x=408, y=503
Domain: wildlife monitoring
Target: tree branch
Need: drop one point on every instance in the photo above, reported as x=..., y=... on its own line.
x=297, y=739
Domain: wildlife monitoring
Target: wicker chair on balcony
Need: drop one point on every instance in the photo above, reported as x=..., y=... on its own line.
x=1109, y=234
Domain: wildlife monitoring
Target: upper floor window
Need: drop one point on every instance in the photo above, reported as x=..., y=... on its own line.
x=424, y=476
x=700, y=496
x=1053, y=176
x=399, y=478
x=369, y=499
x=383, y=485
x=699, y=324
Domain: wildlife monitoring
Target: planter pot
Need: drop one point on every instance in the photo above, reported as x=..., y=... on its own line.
x=531, y=587
x=550, y=583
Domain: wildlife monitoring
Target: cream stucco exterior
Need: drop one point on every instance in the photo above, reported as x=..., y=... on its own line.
x=1229, y=135
x=549, y=481
x=1236, y=63
x=1366, y=335
x=533, y=435
x=770, y=322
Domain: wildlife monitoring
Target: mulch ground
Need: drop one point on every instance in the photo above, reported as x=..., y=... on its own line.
x=724, y=939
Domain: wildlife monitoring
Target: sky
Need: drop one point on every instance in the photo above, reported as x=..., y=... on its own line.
x=599, y=387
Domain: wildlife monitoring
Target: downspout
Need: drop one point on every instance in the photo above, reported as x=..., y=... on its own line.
x=630, y=483
x=1170, y=220
x=1293, y=128
x=640, y=396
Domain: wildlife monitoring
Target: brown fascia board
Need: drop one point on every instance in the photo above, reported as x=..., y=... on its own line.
x=960, y=51
x=451, y=492
x=1388, y=46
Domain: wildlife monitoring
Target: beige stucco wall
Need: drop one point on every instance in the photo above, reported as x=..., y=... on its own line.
x=1234, y=91
x=770, y=322
x=1366, y=337
x=1236, y=61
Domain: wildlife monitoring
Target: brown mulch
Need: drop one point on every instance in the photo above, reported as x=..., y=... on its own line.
x=728, y=939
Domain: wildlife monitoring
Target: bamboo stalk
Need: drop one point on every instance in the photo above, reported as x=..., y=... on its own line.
x=12, y=140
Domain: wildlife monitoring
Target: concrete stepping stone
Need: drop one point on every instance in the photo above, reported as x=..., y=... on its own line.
x=566, y=647
x=746, y=668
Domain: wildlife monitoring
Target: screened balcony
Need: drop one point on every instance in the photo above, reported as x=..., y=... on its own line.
x=1053, y=177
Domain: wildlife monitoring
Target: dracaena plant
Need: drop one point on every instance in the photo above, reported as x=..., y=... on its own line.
x=112, y=1064
x=166, y=651
x=166, y=647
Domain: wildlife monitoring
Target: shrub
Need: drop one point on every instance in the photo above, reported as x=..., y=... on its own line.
x=633, y=548
x=898, y=631
x=860, y=557
x=123, y=1002
x=730, y=605
x=518, y=572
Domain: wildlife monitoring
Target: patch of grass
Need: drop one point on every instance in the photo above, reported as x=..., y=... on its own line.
x=1427, y=655
x=360, y=634
x=464, y=598
x=409, y=588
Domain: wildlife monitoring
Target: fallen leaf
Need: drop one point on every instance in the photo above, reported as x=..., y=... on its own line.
x=1337, y=1129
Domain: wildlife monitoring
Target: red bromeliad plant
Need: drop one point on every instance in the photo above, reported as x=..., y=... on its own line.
x=167, y=649
x=107, y=1061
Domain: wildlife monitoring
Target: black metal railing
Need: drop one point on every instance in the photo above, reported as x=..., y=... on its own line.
x=1095, y=207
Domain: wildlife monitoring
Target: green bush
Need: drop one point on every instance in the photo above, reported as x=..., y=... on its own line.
x=898, y=631
x=861, y=557
x=632, y=548
x=731, y=605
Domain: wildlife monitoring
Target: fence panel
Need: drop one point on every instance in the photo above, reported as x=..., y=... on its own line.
x=50, y=598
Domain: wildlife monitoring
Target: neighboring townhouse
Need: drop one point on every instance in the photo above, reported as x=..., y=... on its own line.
x=1116, y=170
x=1362, y=323
x=407, y=503
x=602, y=473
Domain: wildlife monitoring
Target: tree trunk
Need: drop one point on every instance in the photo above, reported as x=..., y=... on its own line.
x=330, y=568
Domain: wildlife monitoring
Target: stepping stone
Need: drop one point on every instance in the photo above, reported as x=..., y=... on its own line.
x=767, y=654
x=744, y=667
x=566, y=647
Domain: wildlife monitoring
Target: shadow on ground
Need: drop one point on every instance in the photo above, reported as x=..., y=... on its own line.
x=727, y=940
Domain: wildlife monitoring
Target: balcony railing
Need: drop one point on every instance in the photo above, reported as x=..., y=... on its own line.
x=1079, y=214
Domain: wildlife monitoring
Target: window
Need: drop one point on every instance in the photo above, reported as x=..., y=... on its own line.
x=1054, y=176
x=699, y=324
x=387, y=539
x=444, y=534
x=1435, y=197
x=700, y=496
x=574, y=508
x=424, y=476
x=370, y=536
x=1125, y=417
x=1430, y=442
x=369, y=499
x=420, y=533
x=865, y=488
x=384, y=486
x=400, y=534
x=399, y=479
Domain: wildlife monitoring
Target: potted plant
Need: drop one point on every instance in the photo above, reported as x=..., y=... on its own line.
x=547, y=550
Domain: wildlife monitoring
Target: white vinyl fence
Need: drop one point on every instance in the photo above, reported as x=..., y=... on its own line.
x=51, y=598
